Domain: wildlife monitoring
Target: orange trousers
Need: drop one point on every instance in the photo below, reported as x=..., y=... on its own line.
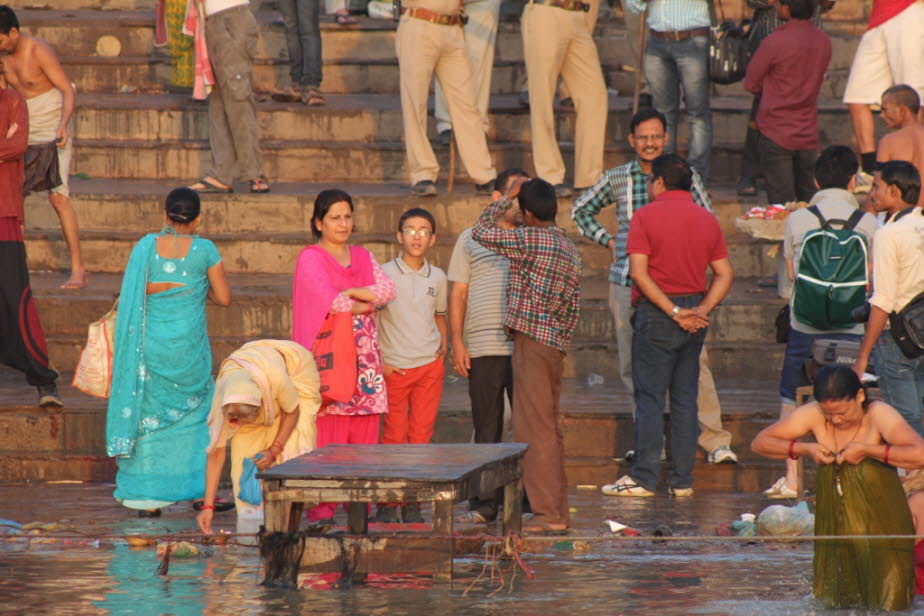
x=413, y=402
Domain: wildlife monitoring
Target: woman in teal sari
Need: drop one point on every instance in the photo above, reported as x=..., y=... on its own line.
x=162, y=366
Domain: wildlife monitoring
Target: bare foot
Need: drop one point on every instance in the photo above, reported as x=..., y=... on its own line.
x=78, y=280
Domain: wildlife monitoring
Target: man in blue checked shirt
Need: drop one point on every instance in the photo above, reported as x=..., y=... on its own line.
x=678, y=54
x=626, y=186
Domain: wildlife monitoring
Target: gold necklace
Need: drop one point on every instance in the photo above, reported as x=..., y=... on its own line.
x=837, y=467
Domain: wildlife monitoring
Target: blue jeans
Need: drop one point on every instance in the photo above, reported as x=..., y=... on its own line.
x=665, y=358
x=668, y=64
x=799, y=349
x=901, y=380
x=303, y=39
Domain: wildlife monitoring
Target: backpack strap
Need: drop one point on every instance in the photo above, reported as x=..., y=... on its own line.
x=854, y=220
x=817, y=213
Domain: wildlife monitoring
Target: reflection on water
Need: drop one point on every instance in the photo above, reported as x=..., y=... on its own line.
x=667, y=579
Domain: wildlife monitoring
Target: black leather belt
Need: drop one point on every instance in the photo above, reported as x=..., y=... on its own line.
x=679, y=35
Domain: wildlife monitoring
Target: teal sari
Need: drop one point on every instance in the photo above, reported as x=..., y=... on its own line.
x=161, y=378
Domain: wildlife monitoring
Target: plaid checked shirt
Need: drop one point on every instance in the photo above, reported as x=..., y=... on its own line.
x=627, y=187
x=544, y=292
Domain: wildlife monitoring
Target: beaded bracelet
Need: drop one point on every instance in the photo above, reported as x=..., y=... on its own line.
x=885, y=458
x=792, y=456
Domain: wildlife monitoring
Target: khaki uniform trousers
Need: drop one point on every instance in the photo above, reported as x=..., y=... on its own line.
x=424, y=48
x=232, y=37
x=480, y=35
x=709, y=412
x=558, y=42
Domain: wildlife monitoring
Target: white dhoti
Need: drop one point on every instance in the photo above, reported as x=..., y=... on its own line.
x=44, y=119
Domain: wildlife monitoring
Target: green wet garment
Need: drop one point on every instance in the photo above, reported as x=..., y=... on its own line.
x=863, y=573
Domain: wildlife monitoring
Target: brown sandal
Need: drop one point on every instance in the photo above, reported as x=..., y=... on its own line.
x=313, y=97
x=259, y=185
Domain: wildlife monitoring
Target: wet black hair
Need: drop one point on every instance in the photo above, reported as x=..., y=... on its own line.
x=8, y=19
x=323, y=203
x=183, y=205
x=417, y=212
x=538, y=197
x=674, y=170
x=836, y=383
x=643, y=115
x=835, y=166
x=800, y=9
x=904, y=95
x=904, y=176
x=502, y=181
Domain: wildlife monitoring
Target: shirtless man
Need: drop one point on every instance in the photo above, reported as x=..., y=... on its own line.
x=32, y=68
x=900, y=105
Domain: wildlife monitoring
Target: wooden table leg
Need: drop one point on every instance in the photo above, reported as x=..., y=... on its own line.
x=358, y=518
x=443, y=526
x=513, y=507
x=295, y=516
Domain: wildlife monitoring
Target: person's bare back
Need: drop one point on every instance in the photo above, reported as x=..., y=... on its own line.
x=904, y=144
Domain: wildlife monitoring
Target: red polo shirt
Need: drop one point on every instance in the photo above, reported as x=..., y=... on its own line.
x=787, y=71
x=680, y=238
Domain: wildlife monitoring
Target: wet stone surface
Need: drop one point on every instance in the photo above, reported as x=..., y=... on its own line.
x=95, y=572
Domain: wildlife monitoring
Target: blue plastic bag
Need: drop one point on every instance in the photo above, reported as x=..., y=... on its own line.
x=249, y=489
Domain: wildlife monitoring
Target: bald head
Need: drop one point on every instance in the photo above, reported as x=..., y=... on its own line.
x=903, y=96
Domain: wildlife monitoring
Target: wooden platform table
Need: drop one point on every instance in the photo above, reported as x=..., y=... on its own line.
x=362, y=474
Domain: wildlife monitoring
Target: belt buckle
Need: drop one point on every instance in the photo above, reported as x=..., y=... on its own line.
x=443, y=20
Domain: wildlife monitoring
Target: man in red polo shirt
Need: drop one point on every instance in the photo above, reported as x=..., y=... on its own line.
x=786, y=72
x=672, y=241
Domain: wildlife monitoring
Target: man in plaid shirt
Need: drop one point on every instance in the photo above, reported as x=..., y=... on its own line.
x=626, y=186
x=543, y=298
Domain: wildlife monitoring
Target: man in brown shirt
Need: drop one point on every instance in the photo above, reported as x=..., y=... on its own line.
x=31, y=66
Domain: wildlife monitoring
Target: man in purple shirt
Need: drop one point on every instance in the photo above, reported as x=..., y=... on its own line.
x=786, y=72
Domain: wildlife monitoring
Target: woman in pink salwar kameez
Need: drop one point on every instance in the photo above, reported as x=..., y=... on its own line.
x=333, y=276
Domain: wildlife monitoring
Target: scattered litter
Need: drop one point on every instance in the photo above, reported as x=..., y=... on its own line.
x=178, y=549
x=140, y=541
x=578, y=547
x=745, y=527
x=662, y=530
x=572, y=510
x=783, y=521
x=43, y=526
x=618, y=527
x=82, y=176
x=9, y=527
x=594, y=379
x=586, y=486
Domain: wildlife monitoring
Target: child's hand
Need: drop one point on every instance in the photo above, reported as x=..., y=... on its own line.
x=388, y=370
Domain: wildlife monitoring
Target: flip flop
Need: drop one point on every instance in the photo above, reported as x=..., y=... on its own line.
x=259, y=185
x=472, y=517
x=312, y=97
x=345, y=19
x=208, y=185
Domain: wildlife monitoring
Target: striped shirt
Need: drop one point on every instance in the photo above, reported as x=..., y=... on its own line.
x=486, y=273
x=673, y=15
x=766, y=20
x=544, y=294
x=626, y=186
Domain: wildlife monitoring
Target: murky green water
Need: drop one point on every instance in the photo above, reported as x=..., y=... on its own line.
x=668, y=579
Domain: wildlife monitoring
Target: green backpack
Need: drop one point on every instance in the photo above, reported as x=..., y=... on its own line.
x=832, y=274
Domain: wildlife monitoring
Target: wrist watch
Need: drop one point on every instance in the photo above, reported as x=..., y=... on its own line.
x=674, y=311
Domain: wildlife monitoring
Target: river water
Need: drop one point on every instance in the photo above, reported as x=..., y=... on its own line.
x=637, y=577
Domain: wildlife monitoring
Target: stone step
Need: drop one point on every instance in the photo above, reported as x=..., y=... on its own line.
x=36, y=444
x=74, y=5
x=135, y=206
x=359, y=59
x=370, y=118
x=298, y=160
x=276, y=253
x=261, y=308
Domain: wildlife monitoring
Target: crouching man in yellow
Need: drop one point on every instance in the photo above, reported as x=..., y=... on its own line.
x=266, y=399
